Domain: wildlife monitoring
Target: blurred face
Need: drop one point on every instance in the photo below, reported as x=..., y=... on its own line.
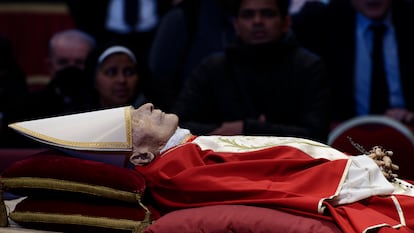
x=373, y=9
x=116, y=80
x=67, y=53
x=151, y=128
x=260, y=21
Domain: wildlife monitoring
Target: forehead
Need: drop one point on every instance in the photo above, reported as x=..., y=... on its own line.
x=73, y=43
x=371, y=3
x=258, y=4
x=117, y=58
x=75, y=51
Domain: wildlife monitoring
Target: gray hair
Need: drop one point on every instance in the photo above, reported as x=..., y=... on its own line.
x=72, y=34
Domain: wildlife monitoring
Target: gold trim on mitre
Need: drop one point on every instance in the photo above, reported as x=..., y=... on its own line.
x=108, y=130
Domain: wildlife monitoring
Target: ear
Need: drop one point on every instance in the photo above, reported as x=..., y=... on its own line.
x=236, y=25
x=141, y=159
x=287, y=23
x=49, y=65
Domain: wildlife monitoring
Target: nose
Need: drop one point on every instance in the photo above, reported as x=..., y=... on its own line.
x=148, y=106
x=258, y=18
x=121, y=77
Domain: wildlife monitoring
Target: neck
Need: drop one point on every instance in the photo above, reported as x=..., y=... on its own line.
x=180, y=136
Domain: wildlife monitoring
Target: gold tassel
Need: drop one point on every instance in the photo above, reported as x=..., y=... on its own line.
x=147, y=219
x=3, y=212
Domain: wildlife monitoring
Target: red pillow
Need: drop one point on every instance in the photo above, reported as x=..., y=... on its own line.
x=53, y=171
x=71, y=215
x=238, y=219
x=55, y=164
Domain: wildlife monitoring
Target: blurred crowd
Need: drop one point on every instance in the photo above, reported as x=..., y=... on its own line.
x=225, y=67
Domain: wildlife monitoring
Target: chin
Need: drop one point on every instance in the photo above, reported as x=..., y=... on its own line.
x=172, y=118
x=257, y=41
x=375, y=16
x=175, y=119
x=376, y=13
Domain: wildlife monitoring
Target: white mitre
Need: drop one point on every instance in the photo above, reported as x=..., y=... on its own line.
x=102, y=130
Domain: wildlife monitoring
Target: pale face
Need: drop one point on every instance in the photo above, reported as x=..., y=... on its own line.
x=116, y=80
x=373, y=9
x=68, y=52
x=260, y=21
x=151, y=129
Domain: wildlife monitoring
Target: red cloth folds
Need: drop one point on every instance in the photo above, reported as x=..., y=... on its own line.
x=374, y=211
x=283, y=176
x=280, y=177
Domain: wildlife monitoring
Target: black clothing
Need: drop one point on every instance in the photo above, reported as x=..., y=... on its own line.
x=13, y=87
x=281, y=80
x=68, y=92
x=187, y=34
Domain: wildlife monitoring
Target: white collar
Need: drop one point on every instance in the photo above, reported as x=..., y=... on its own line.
x=177, y=138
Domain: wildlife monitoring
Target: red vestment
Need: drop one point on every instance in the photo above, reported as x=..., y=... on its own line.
x=278, y=177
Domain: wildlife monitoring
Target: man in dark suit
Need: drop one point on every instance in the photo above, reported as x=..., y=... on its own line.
x=342, y=36
x=107, y=20
x=13, y=85
x=264, y=84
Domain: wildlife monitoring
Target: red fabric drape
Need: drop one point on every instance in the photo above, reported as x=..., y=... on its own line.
x=284, y=176
x=277, y=177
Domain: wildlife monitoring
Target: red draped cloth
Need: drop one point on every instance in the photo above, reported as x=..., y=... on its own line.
x=280, y=176
x=375, y=212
